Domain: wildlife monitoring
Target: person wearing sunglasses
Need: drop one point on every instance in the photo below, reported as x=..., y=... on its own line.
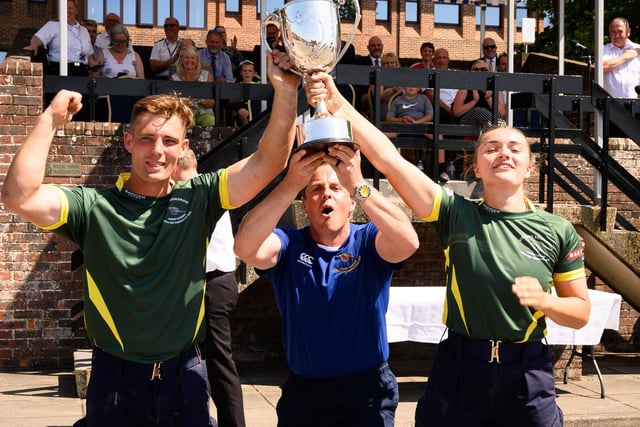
x=489, y=50
x=473, y=107
x=166, y=51
x=119, y=60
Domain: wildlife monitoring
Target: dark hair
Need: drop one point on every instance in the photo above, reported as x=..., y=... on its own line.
x=427, y=44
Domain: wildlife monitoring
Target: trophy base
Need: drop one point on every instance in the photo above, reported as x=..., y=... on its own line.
x=324, y=144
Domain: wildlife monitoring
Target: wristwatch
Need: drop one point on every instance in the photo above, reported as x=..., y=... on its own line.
x=363, y=191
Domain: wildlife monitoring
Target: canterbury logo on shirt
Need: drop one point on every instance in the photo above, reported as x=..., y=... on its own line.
x=305, y=259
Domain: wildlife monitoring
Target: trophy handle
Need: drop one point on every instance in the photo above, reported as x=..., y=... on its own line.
x=356, y=21
x=270, y=17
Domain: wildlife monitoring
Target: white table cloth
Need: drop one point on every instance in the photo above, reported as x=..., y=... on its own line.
x=415, y=314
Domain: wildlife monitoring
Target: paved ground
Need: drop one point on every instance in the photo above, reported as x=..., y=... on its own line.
x=47, y=398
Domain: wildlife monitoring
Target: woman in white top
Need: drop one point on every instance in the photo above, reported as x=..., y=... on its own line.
x=189, y=69
x=79, y=46
x=120, y=60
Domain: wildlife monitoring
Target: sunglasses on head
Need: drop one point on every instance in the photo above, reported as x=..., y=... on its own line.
x=216, y=30
x=491, y=46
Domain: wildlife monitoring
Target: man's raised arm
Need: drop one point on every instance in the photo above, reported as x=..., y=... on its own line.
x=23, y=191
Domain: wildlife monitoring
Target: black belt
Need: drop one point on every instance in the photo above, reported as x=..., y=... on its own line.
x=492, y=350
x=149, y=371
x=216, y=273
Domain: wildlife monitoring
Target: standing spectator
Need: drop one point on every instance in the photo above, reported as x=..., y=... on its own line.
x=230, y=47
x=214, y=55
x=503, y=257
x=427, y=50
x=166, y=51
x=441, y=62
x=489, y=50
x=144, y=243
x=189, y=69
x=474, y=107
x=620, y=62
x=221, y=298
x=79, y=46
x=103, y=40
x=273, y=40
x=331, y=281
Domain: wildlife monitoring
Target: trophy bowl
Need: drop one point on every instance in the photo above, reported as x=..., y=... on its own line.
x=311, y=36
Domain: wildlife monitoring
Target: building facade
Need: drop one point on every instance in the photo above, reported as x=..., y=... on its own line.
x=402, y=25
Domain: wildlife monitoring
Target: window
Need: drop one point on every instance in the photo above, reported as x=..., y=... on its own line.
x=232, y=6
x=272, y=5
x=492, y=16
x=190, y=13
x=382, y=10
x=521, y=12
x=446, y=14
x=411, y=11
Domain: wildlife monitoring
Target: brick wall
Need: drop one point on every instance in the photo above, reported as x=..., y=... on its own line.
x=39, y=293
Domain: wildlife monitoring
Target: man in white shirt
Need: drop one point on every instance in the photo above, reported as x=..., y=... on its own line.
x=103, y=39
x=621, y=65
x=166, y=51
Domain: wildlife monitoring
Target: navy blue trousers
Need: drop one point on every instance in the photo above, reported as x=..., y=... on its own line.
x=121, y=393
x=368, y=399
x=465, y=389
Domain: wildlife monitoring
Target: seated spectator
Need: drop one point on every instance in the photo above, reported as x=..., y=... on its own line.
x=410, y=107
x=215, y=56
x=189, y=69
x=503, y=63
x=427, y=50
x=273, y=40
x=117, y=61
x=441, y=62
x=473, y=107
x=389, y=60
x=92, y=28
x=103, y=40
x=246, y=108
x=230, y=47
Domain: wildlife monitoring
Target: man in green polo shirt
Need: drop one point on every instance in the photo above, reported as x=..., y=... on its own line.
x=144, y=243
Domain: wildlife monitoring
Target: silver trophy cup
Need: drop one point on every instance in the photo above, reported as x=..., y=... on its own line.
x=310, y=32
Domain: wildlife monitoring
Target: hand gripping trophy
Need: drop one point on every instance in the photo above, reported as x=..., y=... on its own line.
x=311, y=36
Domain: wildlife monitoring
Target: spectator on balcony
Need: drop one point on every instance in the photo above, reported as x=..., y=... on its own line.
x=167, y=50
x=489, y=50
x=119, y=60
x=144, y=243
x=215, y=56
x=229, y=46
x=389, y=60
x=79, y=46
x=103, y=39
x=92, y=28
x=503, y=256
x=503, y=63
x=620, y=61
x=272, y=33
x=427, y=50
x=189, y=69
x=441, y=62
x=246, y=108
x=474, y=107
x=411, y=107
